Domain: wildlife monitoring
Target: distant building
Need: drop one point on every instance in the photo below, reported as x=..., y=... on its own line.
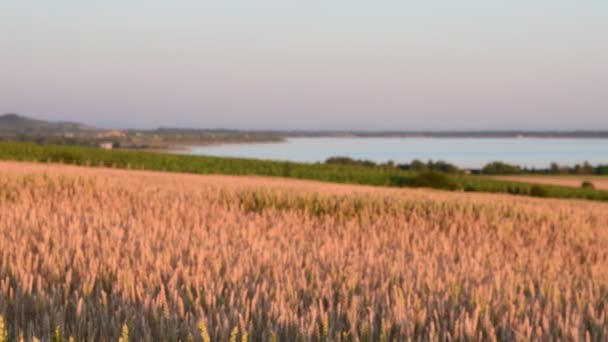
x=111, y=134
x=106, y=145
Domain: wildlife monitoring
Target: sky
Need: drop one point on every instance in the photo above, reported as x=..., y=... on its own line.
x=281, y=64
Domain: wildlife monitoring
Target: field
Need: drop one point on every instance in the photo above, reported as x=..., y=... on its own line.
x=378, y=176
x=103, y=254
x=599, y=182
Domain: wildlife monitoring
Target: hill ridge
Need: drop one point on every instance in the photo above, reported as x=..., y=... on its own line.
x=13, y=123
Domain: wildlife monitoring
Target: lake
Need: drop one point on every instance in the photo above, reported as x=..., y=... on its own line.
x=464, y=152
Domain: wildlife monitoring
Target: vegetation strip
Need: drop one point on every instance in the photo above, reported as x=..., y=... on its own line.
x=337, y=173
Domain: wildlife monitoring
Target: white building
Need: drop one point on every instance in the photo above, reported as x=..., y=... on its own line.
x=106, y=145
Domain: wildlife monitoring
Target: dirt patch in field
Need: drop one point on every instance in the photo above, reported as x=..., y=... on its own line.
x=598, y=183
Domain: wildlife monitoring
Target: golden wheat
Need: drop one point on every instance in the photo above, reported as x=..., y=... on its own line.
x=108, y=255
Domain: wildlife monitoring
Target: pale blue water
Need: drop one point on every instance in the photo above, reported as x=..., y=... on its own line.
x=464, y=152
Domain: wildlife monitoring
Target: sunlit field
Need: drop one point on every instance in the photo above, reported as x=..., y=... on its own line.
x=103, y=254
x=598, y=182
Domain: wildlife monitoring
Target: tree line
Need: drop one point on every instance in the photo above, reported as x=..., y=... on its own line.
x=492, y=168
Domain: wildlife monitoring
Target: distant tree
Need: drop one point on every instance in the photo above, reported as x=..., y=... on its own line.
x=350, y=161
x=442, y=166
x=554, y=168
x=390, y=164
x=500, y=168
x=588, y=168
x=558, y=169
x=584, y=169
x=340, y=160
x=418, y=165
x=601, y=170
x=366, y=163
x=439, y=166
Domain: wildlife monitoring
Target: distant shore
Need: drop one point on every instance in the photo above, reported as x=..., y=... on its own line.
x=447, y=134
x=367, y=135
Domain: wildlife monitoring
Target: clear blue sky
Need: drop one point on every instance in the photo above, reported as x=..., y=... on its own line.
x=479, y=64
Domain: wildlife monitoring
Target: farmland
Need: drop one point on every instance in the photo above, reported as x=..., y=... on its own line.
x=599, y=182
x=97, y=253
x=351, y=174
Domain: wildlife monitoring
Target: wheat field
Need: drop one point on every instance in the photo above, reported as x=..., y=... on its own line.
x=599, y=182
x=109, y=255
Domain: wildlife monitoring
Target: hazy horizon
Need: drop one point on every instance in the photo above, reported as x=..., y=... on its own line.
x=471, y=65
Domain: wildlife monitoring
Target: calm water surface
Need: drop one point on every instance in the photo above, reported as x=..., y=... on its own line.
x=464, y=152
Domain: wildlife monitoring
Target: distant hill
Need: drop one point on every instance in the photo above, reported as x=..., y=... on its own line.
x=12, y=125
x=21, y=125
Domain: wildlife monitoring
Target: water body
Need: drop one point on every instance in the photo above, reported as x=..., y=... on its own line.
x=464, y=152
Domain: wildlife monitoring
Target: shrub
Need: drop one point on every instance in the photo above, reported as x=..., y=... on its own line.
x=539, y=191
x=64, y=157
x=286, y=169
x=349, y=161
x=514, y=190
x=397, y=180
x=432, y=179
x=587, y=185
